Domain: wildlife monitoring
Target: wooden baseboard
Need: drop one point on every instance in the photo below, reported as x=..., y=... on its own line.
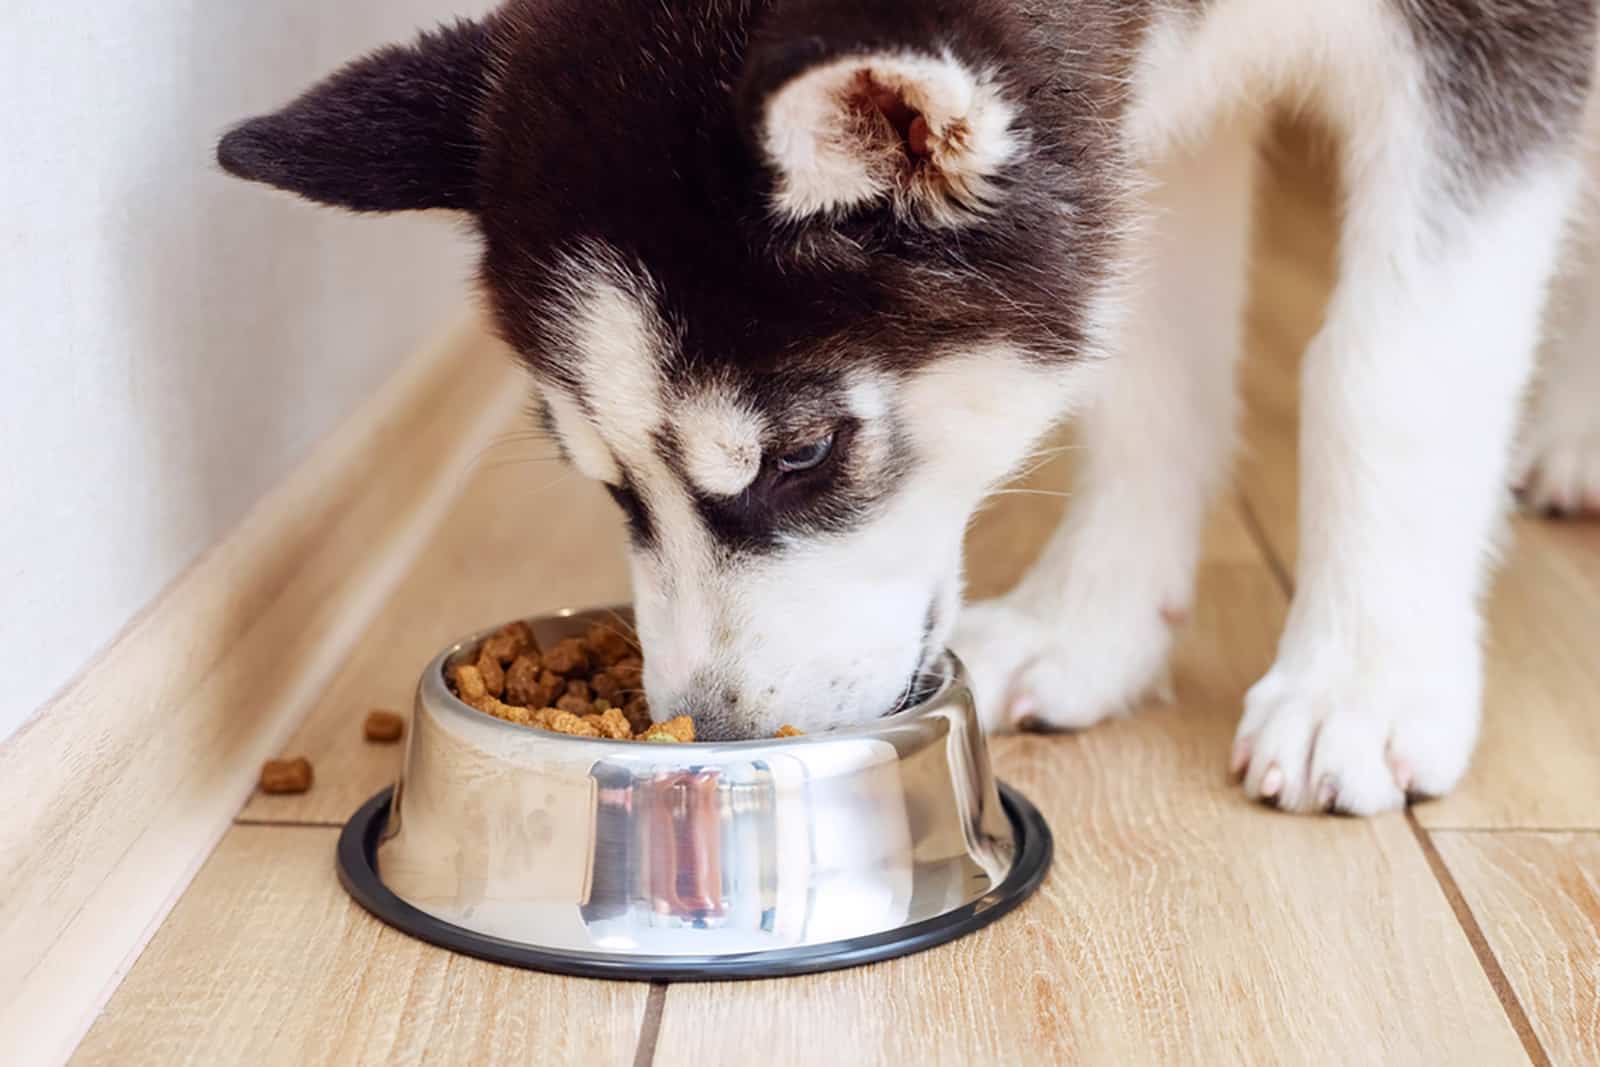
x=116, y=791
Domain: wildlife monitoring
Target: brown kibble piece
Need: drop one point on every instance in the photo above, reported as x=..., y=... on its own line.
x=286, y=775
x=637, y=712
x=568, y=723
x=521, y=631
x=788, y=731
x=522, y=674
x=606, y=687
x=681, y=727
x=608, y=643
x=468, y=683
x=576, y=705
x=500, y=649
x=512, y=713
x=614, y=724
x=525, y=686
x=629, y=673
x=580, y=689
x=383, y=725
x=493, y=675
x=501, y=710
x=509, y=642
x=569, y=657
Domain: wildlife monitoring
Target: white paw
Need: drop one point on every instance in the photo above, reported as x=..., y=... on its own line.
x=1560, y=472
x=1033, y=673
x=1360, y=742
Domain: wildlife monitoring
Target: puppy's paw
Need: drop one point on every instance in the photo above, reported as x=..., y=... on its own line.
x=1357, y=742
x=1067, y=673
x=1560, y=470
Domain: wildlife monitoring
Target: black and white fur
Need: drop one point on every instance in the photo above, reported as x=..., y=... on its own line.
x=802, y=281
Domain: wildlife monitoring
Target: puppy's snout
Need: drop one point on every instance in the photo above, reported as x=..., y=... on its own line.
x=718, y=710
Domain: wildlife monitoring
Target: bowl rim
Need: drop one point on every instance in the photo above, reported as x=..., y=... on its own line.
x=356, y=862
x=953, y=688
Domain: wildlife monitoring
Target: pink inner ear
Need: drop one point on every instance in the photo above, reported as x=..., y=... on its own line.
x=909, y=123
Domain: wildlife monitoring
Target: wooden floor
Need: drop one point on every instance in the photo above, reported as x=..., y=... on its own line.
x=1180, y=924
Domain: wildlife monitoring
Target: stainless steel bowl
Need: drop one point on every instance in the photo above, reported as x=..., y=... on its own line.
x=716, y=860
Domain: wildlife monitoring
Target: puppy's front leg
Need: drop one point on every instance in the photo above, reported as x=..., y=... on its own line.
x=1409, y=405
x=1087, y=631
x=1558, y=467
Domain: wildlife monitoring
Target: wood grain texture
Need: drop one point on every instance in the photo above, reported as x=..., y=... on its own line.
x=118, y=789
x=1538, y=760
x=1179, y=923
x=527, y=536
x=266, y=961
x=1537, y=899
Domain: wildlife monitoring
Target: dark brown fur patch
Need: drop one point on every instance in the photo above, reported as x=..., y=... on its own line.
x=392, y=131
x=684, y=192
x=1509, y=76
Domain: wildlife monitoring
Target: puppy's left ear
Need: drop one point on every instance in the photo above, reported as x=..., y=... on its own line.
x=845, y=120
x=394, y=131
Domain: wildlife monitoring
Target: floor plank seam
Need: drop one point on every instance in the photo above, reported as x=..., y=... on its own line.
x=644, y=1055
x=1516, y=1014
x=293, y=824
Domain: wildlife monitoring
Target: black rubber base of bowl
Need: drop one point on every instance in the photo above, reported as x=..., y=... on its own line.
x=358, y=872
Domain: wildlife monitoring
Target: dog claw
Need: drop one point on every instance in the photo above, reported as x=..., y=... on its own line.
x=1240, y=758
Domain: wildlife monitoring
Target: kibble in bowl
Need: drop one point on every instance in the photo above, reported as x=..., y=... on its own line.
x=589, y=686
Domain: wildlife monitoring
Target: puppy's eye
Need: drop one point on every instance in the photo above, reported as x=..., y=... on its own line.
x=806, y=457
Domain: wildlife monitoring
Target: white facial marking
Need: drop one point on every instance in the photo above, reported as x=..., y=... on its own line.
x=974, y=416
x=721, y=440
x=582, y=443
x=832, y=154
x=621, y=346
x=867, y=396
x=618, y=345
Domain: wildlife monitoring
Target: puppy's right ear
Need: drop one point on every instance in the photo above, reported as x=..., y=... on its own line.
x=394, y=131
x=854, y=104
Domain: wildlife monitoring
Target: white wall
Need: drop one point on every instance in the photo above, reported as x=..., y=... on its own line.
x=172, y=342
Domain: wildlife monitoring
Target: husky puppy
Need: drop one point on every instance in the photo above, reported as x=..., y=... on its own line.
x=801, y=281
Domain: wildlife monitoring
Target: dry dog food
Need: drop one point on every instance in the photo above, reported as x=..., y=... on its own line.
x=587, y=687
x=286, y=775
x=383, y=726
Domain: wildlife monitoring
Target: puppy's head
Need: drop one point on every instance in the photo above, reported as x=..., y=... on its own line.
x=798, y=283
